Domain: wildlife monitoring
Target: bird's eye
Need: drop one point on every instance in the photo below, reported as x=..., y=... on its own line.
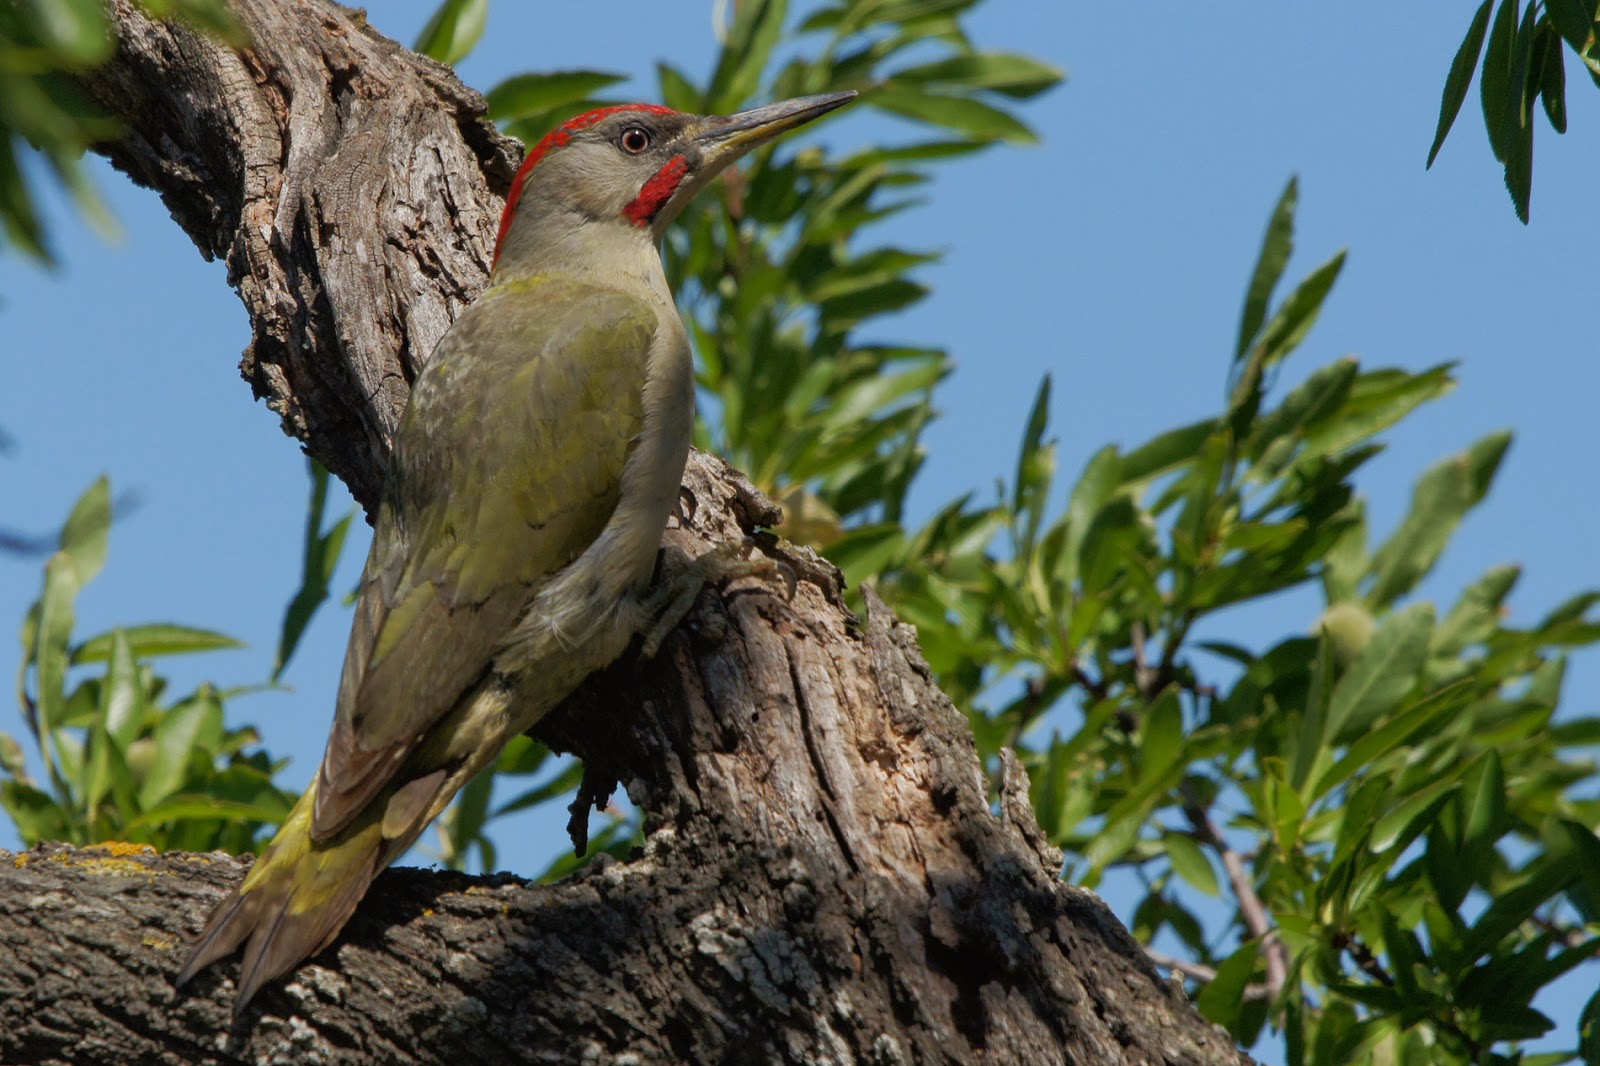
x=634, y=139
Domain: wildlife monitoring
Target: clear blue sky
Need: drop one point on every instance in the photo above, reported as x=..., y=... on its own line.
x=1113, y=256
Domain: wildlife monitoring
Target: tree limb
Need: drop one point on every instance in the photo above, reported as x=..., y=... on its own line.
x=824, y=879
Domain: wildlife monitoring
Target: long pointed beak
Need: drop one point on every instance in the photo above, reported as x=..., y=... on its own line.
x=726, y=138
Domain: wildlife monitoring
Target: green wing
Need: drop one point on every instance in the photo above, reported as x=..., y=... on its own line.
x=506, y=467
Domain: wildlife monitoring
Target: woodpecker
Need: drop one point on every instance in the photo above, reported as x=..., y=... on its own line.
x=529, y=484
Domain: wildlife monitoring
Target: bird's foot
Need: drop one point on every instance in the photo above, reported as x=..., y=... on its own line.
x=669, y=603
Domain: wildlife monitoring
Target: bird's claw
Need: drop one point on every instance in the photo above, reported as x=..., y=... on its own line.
x=669, y=603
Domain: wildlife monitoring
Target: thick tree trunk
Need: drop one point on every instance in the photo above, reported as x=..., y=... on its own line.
x=824, y=878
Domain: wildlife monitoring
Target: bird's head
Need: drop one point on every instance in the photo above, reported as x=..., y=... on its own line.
x=630, y=168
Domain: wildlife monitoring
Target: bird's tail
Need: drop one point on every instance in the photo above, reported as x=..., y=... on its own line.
x=299, y=894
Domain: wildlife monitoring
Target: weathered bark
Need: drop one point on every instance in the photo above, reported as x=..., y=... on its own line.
x=824, y=880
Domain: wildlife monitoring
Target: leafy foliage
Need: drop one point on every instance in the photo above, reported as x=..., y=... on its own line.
x=41, y=46
x=1524, y=63
x=319, y=559
x=122, y=760
x=1400, y=824
x=454, y=30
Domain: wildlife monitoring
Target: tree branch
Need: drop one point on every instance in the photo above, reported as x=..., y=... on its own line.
x=823, y=878
x=1253, y=912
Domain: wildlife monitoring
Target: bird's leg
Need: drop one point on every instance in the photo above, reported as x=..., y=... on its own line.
x=666, y=606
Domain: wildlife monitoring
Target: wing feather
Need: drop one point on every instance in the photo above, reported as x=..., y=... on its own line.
x=495, y=485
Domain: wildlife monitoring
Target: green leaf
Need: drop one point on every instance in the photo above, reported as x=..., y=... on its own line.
x=1586, y=854
x=153, y=641
x=1574, y=20
x=860, y=401
x=1589, y=1031
x=1027, y=484
x=74, y=30
x=1308, y=746
x=1100, y=480
x=974, y=118
x=1406, y=820
x=1385, y=671
x=36, y=816
x=106, y=773
x=1286, y=809
x=1517, y=900
x=1483, y=802
x=1014, y=75
x=84, y=536
x=1320, y=396
x=1222, y=999
x=17, y=211
x=1299, y=312
x=122, y=694
x=12, y=761
x=1455, y=85
x=561, y=784
x=1190, y=863
x=454, y=30
x=1377, y=400
x=1165, y=452
x=204, y=808
x=1276, y=340
x=175, y=738
x=319, y=560
x=534, y=94
x=867, y=551
x=1391, y=737
x=1276, y=247
x=1516, y=124
x=1476, y=615
x=848, y=311
x=757, y=25
x=1442, y=498
x=51, y=636
x=677, y=91
x=1161, y=734
x=1495, y=85
x=1552, y=82
x=462, y=825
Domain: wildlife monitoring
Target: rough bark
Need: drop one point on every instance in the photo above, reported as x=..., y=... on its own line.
x=824, y=878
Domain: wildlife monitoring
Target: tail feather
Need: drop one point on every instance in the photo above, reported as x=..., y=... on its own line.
x=223, y=934
x=298, y=896
x=280, y=944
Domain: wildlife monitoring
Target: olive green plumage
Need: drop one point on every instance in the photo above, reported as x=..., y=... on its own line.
x=531, y=478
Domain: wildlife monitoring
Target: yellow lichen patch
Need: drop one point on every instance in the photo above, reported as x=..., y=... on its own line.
x=21, y=860
x=117, y=862
x=120, y=848
x=160, y=941
x=427, y=912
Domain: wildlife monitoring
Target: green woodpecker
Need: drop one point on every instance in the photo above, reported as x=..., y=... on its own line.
x=531, y=478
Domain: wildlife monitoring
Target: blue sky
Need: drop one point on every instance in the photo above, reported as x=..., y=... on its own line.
x=1113, y=256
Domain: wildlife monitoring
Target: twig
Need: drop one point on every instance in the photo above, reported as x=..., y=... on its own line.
x=1364, y=959
x=1144, y=678
x=1569, y=935
x=1257, y=922
x=1200, y=972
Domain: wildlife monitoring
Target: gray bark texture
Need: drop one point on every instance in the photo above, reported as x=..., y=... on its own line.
x=825, y=879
